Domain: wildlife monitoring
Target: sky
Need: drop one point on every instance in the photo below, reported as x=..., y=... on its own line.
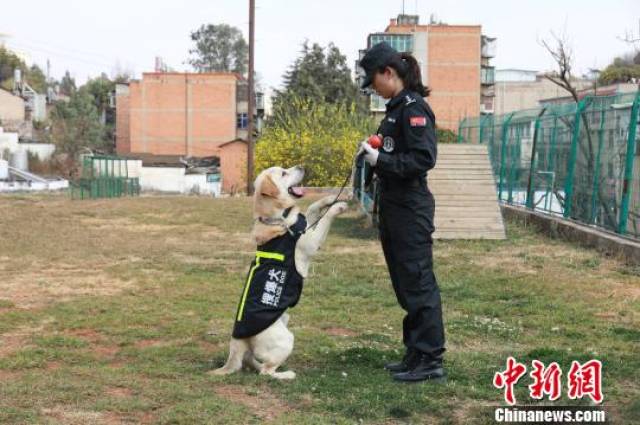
x=88, y=37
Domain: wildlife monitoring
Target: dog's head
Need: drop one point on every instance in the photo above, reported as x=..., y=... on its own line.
x=277, y=189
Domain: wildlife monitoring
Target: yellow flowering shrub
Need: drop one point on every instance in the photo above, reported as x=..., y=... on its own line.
x=322, y=137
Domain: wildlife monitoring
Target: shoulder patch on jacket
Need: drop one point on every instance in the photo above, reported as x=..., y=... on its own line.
x=409, y=100
x=418, y=121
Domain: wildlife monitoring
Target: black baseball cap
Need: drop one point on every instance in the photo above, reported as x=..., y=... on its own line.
x=376, y=57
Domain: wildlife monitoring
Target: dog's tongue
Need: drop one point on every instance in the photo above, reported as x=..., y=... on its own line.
x=297, y=190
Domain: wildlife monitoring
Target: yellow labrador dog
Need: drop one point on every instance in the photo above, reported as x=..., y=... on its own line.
x=286, y=240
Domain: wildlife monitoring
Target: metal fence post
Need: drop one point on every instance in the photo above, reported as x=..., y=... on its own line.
x=492, y=143
x=505, y=130
x=515, y=155
x=628, y=170
x=596, y=174
x=573, y=156
x=532, y=162
x=460, y=130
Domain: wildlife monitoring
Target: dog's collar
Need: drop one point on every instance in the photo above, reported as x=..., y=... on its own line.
x=270, y=221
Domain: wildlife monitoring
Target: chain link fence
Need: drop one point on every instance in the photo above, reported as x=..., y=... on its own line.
x=578, y=160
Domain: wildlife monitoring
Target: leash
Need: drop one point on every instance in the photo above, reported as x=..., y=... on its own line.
x=335, y=201
x=350, y=176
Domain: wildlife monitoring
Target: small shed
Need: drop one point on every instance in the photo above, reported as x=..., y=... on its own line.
x=233, y=165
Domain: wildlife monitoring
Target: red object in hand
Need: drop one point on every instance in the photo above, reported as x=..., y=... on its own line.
x=375, y=141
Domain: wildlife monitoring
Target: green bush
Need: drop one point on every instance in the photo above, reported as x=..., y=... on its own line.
x=446, y=136
x=323, y=137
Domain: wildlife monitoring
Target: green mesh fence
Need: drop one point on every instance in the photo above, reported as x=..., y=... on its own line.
x=104, y=176
x=577, y=160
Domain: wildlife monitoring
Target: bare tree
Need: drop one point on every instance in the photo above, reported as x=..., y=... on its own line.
x=631, y=38
x=562, y=54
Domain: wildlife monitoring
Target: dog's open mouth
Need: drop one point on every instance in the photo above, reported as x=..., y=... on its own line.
x=296, y=191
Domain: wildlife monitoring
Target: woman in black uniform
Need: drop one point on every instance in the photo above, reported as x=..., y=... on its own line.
x=407, y=206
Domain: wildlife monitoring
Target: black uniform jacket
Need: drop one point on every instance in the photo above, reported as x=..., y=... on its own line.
x=273, y=283
x=408, y=140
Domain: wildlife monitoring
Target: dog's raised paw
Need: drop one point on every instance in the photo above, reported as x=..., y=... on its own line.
x=339, y=208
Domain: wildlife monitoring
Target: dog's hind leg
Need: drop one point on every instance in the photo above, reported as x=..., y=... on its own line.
x=237, y=350
x=251, y=361
x=273, y=346
x=270, y=370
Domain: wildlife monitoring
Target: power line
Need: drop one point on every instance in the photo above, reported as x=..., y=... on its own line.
x=25, y=46
x=75, y=51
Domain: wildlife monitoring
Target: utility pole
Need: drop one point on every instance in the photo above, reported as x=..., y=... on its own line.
x=252, y=100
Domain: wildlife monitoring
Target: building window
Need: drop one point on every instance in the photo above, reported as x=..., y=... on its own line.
x=400, y=42
x=487, y=75
x=242, y=121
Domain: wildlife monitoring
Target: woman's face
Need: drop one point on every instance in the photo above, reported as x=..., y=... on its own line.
x=385, y=83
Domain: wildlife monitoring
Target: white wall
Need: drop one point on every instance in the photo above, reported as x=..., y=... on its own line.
x=515, y=75
x=161, y=179
x=44, y=151
x=421, y=53
x=197, y=183
x=39, y=104
x=169, y=179
x=173, y=180
x=22, y=186
x=133, y=167
x=8, y=141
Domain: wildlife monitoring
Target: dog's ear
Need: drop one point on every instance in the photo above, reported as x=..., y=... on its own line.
x=269, y=188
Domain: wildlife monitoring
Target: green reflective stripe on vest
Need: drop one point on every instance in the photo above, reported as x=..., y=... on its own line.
x=271, y=255
x=259, y=255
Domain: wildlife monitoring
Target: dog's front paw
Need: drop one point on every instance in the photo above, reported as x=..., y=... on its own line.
x=326, y=201
x=338, y=208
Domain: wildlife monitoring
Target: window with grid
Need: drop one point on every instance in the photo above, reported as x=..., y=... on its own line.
x=242, y=120
x=402, y=43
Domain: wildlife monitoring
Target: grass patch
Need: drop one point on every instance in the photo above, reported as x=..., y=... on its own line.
x=116, y=313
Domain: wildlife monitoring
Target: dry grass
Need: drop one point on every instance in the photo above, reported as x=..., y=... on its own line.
x=111, y=311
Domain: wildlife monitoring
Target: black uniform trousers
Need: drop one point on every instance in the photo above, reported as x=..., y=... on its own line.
x=406, y=213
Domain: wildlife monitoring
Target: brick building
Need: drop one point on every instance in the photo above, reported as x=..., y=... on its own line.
x=454, y=60
x=186, y=114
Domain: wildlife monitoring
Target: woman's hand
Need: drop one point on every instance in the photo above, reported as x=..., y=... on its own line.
x=370, y=154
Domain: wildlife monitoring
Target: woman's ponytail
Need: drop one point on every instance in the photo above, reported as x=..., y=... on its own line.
x=410, y=75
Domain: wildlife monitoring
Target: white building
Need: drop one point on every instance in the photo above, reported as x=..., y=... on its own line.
x=518, y=89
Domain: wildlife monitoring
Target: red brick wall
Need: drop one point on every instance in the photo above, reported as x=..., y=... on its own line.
x=233, y=166
x=181, y=114
x=123, y=142
x=453, y=69
x=454, y=73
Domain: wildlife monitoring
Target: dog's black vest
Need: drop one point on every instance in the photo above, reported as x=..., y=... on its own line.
x=273, y=283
